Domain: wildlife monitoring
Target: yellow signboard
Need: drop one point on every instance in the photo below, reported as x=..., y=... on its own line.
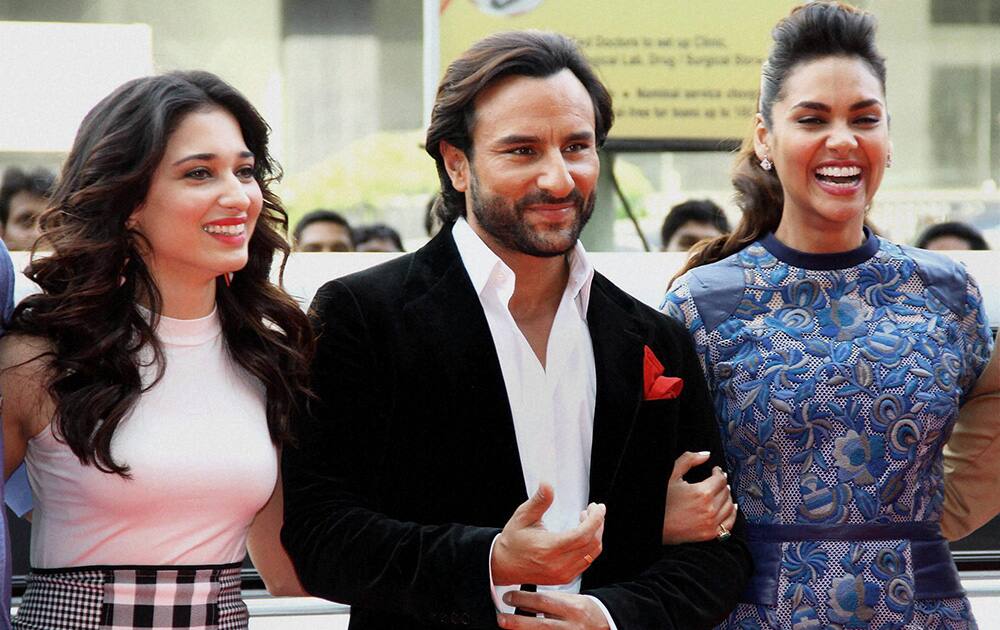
x=681, y=72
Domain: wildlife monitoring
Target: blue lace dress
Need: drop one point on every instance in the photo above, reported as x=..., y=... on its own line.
x=837, y=379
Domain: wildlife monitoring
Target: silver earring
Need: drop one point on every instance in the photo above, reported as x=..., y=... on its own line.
x=766, y=163
x=888, y=160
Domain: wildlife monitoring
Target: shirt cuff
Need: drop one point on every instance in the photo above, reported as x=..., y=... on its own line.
x=604, y=609
x=497, y=592
x=17, y=492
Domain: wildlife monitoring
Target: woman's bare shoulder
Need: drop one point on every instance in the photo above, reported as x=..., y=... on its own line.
x=25, y=355
x=25, y=374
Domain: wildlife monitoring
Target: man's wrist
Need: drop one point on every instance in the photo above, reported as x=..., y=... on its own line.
x=497, y=592
x=498, y=566
x=604, y=611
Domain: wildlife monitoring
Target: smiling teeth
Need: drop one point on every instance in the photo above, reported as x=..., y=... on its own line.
x=225, y=230
x=838, y=171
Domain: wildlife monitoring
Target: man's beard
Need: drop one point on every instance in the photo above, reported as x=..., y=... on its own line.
x=504, y=221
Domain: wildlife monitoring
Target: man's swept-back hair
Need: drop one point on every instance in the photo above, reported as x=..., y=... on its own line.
x=812, y=31
x=515, y=53
x=95, y=274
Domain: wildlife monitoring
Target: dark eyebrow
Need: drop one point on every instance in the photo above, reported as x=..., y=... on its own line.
x=208, y=157
x=525, y=139
x=864, y=104
x=826, y=108
x=813, y=105
x=581, y=135
x=516, y=139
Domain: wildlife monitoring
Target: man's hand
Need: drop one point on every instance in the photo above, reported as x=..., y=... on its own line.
x=526, y=553
x=561, y=610
x=694, y=511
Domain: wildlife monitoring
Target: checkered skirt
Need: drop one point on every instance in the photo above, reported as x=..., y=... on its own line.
x=123, y=598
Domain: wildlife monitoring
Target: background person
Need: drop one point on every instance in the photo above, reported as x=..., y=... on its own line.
x=837, y=358
x=972, y=457
x=690, y=222
x=23, y=196
x=6, y=307
x=951, y=235
x=377, y=237
x=323, y=231
x=149, y=385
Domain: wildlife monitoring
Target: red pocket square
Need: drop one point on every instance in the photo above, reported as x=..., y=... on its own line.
x=655, y=386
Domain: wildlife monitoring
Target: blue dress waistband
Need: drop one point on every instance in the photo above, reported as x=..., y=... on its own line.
x=797, y=532
x=933, y=570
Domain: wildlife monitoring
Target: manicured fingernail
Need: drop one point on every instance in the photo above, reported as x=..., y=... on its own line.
x=704, y=453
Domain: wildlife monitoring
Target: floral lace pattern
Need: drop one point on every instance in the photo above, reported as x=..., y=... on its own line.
x=836, y=391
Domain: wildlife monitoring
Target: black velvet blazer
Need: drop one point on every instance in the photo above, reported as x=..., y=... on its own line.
x=407, y=466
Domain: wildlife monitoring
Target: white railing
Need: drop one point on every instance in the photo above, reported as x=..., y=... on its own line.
x=644, y=275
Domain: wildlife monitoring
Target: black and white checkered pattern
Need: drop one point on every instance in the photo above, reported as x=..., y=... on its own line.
x=61, y=601
x=127, y=598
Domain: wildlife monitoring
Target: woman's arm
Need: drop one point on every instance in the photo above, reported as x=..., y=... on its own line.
x=972, y=458
x=266, y=551
x=27, y=407
x=695, y=511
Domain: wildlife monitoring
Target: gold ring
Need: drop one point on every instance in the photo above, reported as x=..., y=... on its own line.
x=724, y=533
x=589, y=558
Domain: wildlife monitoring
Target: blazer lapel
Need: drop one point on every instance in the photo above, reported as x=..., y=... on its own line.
x=617, y=339
x=443, y=312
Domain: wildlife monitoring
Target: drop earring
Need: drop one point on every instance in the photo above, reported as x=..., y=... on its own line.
x=888, y=160
x=121, y=273
x=766, y=163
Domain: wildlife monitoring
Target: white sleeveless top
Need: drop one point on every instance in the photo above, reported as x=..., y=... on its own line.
x=200, y=456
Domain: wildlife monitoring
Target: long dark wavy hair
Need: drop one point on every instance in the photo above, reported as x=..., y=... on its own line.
x=810, y=32
x=95, y=274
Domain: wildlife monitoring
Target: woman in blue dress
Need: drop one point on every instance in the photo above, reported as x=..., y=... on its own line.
x=837, y=359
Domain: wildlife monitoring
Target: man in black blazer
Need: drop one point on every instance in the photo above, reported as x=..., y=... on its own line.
x=454, y=381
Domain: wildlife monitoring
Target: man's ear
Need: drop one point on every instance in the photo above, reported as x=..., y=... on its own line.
x=457, y=165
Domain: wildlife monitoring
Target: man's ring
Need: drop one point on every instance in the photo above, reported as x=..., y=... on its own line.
x=723, y=532
x=589, y=558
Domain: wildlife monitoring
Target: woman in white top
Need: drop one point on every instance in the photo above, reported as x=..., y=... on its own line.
x=150, y=385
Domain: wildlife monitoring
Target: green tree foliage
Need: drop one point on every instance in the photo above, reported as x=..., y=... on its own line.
x=371, y=172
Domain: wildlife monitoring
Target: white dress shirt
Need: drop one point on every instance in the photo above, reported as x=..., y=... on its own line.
x=552, y=406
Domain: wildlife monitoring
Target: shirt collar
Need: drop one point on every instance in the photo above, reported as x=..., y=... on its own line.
x=481, y=263
x=581, y=276
x=479, y=260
